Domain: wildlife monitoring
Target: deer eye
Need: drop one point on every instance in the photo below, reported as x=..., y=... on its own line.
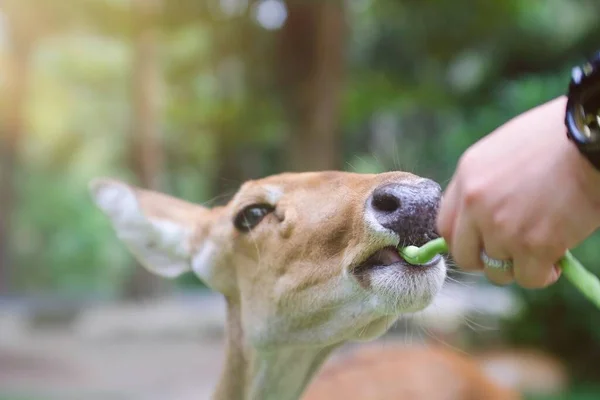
x=251, y=216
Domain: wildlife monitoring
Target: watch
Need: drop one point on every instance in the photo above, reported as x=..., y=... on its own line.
x=582, y=114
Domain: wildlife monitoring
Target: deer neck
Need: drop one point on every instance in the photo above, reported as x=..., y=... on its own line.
x=251, y=374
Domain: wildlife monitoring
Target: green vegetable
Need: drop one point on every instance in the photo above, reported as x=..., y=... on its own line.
x=586, y=282
x=420, y=255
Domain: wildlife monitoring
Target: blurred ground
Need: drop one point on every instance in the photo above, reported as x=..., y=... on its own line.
x=59, y=367
x=111, y=353
x=164, y=349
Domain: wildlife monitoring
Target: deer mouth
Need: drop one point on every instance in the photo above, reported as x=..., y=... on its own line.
x=389, y=257
x=397, y=285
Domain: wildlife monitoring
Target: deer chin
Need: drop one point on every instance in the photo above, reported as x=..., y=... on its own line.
x=398, y=286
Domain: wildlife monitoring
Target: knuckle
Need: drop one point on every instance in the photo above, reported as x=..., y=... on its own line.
x=473, y=193
x=501, y=223
x=533, y=243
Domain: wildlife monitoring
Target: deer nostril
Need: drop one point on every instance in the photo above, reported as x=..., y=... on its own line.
x=385, y=202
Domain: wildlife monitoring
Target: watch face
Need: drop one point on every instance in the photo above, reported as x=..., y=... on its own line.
x=587, y=120
x=583, y=112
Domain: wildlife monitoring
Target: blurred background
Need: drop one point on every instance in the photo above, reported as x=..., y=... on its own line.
x=193, y=97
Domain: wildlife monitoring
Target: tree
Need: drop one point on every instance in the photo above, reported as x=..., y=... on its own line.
x=12, y=132
x=311, y=64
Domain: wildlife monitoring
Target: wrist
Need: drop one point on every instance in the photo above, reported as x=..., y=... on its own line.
x=590, y=183
x=586, y=175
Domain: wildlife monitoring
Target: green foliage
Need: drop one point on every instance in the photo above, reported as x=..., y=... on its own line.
x=579, y=392
x=78, y=255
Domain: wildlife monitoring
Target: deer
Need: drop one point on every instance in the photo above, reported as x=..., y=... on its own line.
x=306, y=262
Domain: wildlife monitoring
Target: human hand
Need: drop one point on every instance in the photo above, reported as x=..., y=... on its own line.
x=522, y=193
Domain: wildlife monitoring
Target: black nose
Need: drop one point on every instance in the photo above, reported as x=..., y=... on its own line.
x=408, y=209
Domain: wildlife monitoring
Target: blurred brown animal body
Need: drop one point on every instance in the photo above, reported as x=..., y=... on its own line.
x=406, y=372
x=307, y=262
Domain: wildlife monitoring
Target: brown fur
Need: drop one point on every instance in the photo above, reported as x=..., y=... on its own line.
x=395, y=372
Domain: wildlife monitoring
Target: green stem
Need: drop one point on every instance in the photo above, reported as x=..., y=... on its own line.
x=586, y=282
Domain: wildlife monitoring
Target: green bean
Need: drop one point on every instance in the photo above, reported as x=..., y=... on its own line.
x=420, y=255
x=586, y=282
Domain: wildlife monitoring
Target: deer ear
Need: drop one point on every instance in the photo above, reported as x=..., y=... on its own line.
x=156, y=228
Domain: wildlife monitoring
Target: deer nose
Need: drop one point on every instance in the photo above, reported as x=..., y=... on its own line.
x=408, y=209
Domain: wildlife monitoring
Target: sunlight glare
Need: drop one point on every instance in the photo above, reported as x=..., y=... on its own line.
x=270, y=14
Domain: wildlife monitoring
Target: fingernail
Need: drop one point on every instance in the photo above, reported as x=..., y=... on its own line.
x=558, y=271
x=554, y=275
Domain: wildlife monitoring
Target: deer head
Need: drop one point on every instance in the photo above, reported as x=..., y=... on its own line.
x=306, y=261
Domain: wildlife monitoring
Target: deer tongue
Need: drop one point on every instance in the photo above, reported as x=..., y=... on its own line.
x=385, y=256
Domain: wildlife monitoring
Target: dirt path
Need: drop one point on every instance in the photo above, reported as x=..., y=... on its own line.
x=58, y=366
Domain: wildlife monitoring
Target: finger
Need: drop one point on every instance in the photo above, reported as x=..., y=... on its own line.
x=497, y=275
x=534, y=272
x=447, y=213
x=466, y=244
x=556, y=273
